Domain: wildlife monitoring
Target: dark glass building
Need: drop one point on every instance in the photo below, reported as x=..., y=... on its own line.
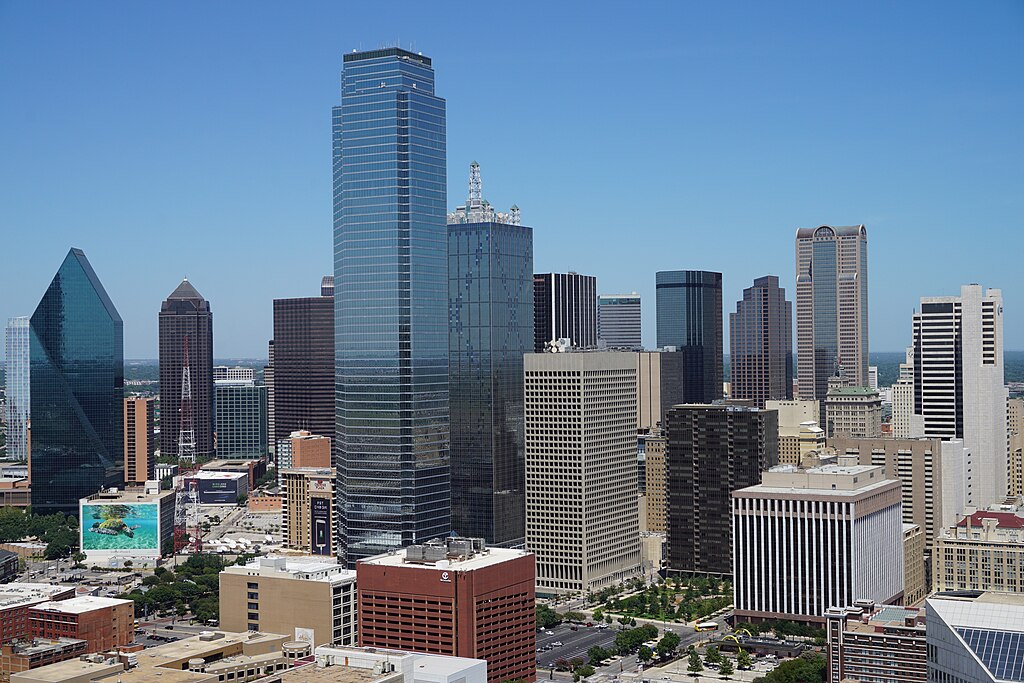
x=490, y=304
x=186, y=313
x=712, y=451
x=689, y=304
x=303, y=374
x=390, y=303
x=761, y=344
x=564, y=307
x=77, y=383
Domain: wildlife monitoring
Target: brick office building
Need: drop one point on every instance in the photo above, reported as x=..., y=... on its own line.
x=453, y=597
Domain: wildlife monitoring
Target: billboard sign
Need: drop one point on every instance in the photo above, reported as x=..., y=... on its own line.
x=320, y=525
x=122, y=529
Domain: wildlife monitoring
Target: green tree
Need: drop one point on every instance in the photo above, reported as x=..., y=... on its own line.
x=645, y=654
x=726, y=668
x=743, y=659
x=694, y=666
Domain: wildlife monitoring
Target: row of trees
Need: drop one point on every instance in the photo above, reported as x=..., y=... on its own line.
x=58, y=531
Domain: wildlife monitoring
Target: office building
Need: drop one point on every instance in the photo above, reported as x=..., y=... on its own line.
x=390, y=303
x=241, y=419
x=958, y=382
x=453, y=597
x=983, y=551
x=689, y=315
x=975, y=638
x=15, y=601
x=831, y=307
x=761, y=344
x=33, y=653
x=304, y=365
x=17, y=387
x=312, y=598
x=490, y=327
x=582, y=520
x=799, y=431
x=139, y=441
x=915, y=576
x=886, y=643
x=853, y=412
x=564, y=307
x=103, y=623
x=186, y=340
x=838, y=537
x=309, y=519
x=76, y=385
x=618, y=321
x=135, y=524
x=713, y=450
x=656, y=483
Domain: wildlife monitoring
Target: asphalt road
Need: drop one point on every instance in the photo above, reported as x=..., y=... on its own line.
x=575, y=643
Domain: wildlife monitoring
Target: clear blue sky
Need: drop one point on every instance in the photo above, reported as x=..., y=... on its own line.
x=193, y=138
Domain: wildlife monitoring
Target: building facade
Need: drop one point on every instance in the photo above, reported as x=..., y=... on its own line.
x=308, y=598
x=564, y=307
x=390, y=303
x=618, y=321
x=490, y=327
x=761, y=344
x=582, y=519
x=304, y=366
x=241, y=419
x=453, y=597
x=958, y=382
x=713, y=450
x=308, y=511
x=837, y=537
x=975, y=638
x=689, y=316
x=77, y=384
x=139, y=440
x=853, y=412
x=186, y=332
x=17, y=387
x=831, y=306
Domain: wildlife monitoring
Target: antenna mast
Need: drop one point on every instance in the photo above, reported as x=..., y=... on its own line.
x=186, y=432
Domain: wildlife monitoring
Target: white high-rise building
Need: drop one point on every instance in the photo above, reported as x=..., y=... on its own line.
x=958, y=383
x=582, y=521
x=17, y=388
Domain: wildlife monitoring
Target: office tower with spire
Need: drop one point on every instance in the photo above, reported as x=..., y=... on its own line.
x=390, y=303
x=831, y=307
x=761, y=344
x=17, y=389
x=490, y=304
x=564, y=307
x=618, y=321
x=959, y=392
x=689, y=315
x=186, y=374
x=77, y=384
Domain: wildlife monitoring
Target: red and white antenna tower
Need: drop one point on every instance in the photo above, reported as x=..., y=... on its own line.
x=186, y=432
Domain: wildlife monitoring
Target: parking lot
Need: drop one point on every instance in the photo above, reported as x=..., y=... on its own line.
x=574, y=643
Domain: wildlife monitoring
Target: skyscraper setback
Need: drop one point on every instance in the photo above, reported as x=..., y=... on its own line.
x=689, y=304
x=186, y=315
x=390, y=303
x=761, y=344
x=831, y=307
x=490, y=275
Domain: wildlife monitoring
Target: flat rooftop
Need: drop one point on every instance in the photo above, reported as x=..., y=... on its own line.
x=81, y=604
x=488, y=558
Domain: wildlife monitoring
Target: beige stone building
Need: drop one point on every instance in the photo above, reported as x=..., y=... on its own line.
x=654, y=468
x=797, y=418
x=853, y=411
x=582, y=521
x=915, y=583
x=312, y=599
x=308, y=515
x=983, y=551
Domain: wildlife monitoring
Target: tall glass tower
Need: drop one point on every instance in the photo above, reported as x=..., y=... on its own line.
x=17, y=388
x=490, y=307
x=77, y=384
x=390, y=302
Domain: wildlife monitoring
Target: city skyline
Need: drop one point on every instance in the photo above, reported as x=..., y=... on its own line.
x=919, y=142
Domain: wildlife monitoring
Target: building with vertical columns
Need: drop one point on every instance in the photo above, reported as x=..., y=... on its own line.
x=958, y=383
x=831, y=307
x=185, y=314
x=689, y=315
x=139, y=441
x=17, y=387
x=761, y=344
x=618, y=321
x=582, y=519
x=390, y=303
x=490, y=327
x=564, y=307
x=712, y=451
x=837, y=537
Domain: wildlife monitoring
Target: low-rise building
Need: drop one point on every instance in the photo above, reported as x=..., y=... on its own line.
x=983, y=551
x=309, y=598
x=15, y=601
x=975, y=637
x=887, y=644
x=104, y=623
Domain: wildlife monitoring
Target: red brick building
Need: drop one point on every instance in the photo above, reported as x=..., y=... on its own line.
x=453, y=597
x=104, y=623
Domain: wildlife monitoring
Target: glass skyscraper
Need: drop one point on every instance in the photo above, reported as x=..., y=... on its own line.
x=490, y=308
x=689, y=304
x=390, y=285
x=77, y=385
x=17, y=388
